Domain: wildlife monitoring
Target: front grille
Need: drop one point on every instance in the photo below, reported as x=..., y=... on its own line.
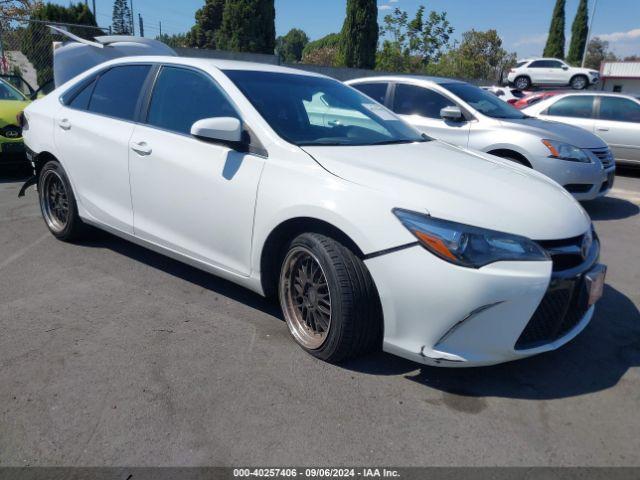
x=560, y=310
x=565, y=254
x=605, y=156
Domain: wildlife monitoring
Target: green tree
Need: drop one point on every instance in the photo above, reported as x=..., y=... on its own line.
x=598, y=52
x=121, y=22
x=411, y=45
x=289, y=47
x=208, y=21
x=247, y=26
x=480, y=55
x=359, y=36
x=323, y=51
x=179, y=40
x=37, y=39
x=579, y=31
x=555, y=41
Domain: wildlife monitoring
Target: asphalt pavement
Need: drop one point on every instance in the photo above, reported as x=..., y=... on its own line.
x=111, y=355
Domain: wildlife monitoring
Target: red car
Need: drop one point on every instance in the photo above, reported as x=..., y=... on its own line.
x=535, y=97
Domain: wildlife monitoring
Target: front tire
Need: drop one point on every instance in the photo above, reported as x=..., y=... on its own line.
x=579, y=82
x=58, y=204
x=328, y=299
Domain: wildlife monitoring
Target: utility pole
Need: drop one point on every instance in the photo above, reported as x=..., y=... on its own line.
x=586, y=47
x=133, y=24
x=94, y=10
x=160, y=25
x=141, y=22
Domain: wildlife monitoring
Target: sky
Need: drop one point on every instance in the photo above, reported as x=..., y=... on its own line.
x=522, y=26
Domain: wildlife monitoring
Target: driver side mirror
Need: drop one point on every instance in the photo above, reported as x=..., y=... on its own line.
x=226, y=130
x=451, y=114
x=565, y=68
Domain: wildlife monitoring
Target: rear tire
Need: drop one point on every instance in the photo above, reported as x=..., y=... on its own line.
x=522, y=83
x=328, y=299
x=58, y=204
x=579, y=82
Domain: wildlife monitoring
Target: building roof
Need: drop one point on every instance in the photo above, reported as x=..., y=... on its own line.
x=620, y=70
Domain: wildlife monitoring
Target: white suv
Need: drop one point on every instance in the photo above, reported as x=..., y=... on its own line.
x=550, y=71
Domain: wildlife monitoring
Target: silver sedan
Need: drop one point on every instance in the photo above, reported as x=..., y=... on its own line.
x=613, y=117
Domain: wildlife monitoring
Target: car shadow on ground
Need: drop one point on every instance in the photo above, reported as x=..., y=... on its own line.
x=595, y=360
x=101, y=239
x=610, y=208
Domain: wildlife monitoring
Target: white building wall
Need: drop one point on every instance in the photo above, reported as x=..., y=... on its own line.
x=630, y=86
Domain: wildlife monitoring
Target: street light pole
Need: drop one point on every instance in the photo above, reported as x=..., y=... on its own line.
x=586, y=45
x=133, y=23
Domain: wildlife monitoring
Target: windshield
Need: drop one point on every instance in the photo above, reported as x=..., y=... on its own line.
x=7, y=92
x=484, y=102
x=309, y=110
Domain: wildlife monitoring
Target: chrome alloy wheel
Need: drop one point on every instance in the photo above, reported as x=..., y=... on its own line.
x=305, y=298
x=579, y=83
x=522, y=83
x=54, y=201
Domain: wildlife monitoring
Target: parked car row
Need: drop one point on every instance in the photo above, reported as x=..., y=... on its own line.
x=467, y=116
x=612, y=116
x=370, y=232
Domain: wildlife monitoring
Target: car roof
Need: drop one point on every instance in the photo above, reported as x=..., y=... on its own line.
x=219, y=64
x=596, y=94
x=539, y=58
x=400, y=78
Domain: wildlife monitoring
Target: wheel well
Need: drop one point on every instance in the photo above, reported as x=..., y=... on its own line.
x=511, y=155
x=275, y=246
x=41, y=159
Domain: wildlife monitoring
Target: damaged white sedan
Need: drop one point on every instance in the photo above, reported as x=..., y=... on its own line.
x=293, y=184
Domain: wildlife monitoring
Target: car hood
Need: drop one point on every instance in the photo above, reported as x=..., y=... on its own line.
x=550, y=130
x=9, y=109
x=460, y=185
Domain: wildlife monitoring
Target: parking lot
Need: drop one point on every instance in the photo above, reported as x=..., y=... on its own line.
x=114, y=355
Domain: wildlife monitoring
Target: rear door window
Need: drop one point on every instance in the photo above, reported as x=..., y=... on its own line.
x=81, y=100
x=117, y=91
x=413, y=100
x=377, y=91
x=619, y=110
x=574, y=106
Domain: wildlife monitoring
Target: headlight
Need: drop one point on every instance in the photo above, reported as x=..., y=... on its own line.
x=465, y=245
x=564, y=151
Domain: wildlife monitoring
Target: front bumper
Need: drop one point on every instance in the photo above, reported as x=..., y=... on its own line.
x=585, y=181
x=436, y=313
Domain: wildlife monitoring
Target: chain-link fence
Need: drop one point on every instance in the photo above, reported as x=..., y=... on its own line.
x=26, y=50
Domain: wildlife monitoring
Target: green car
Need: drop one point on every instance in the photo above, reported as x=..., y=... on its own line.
x=12, y=102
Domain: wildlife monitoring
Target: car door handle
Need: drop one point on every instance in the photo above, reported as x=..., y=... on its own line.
x=602, y=129
x=141, y=148
x=64, y=123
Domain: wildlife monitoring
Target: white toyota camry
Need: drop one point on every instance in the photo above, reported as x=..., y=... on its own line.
x=370, y=233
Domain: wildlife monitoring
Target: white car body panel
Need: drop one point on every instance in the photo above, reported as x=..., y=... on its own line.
x=214, y=208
